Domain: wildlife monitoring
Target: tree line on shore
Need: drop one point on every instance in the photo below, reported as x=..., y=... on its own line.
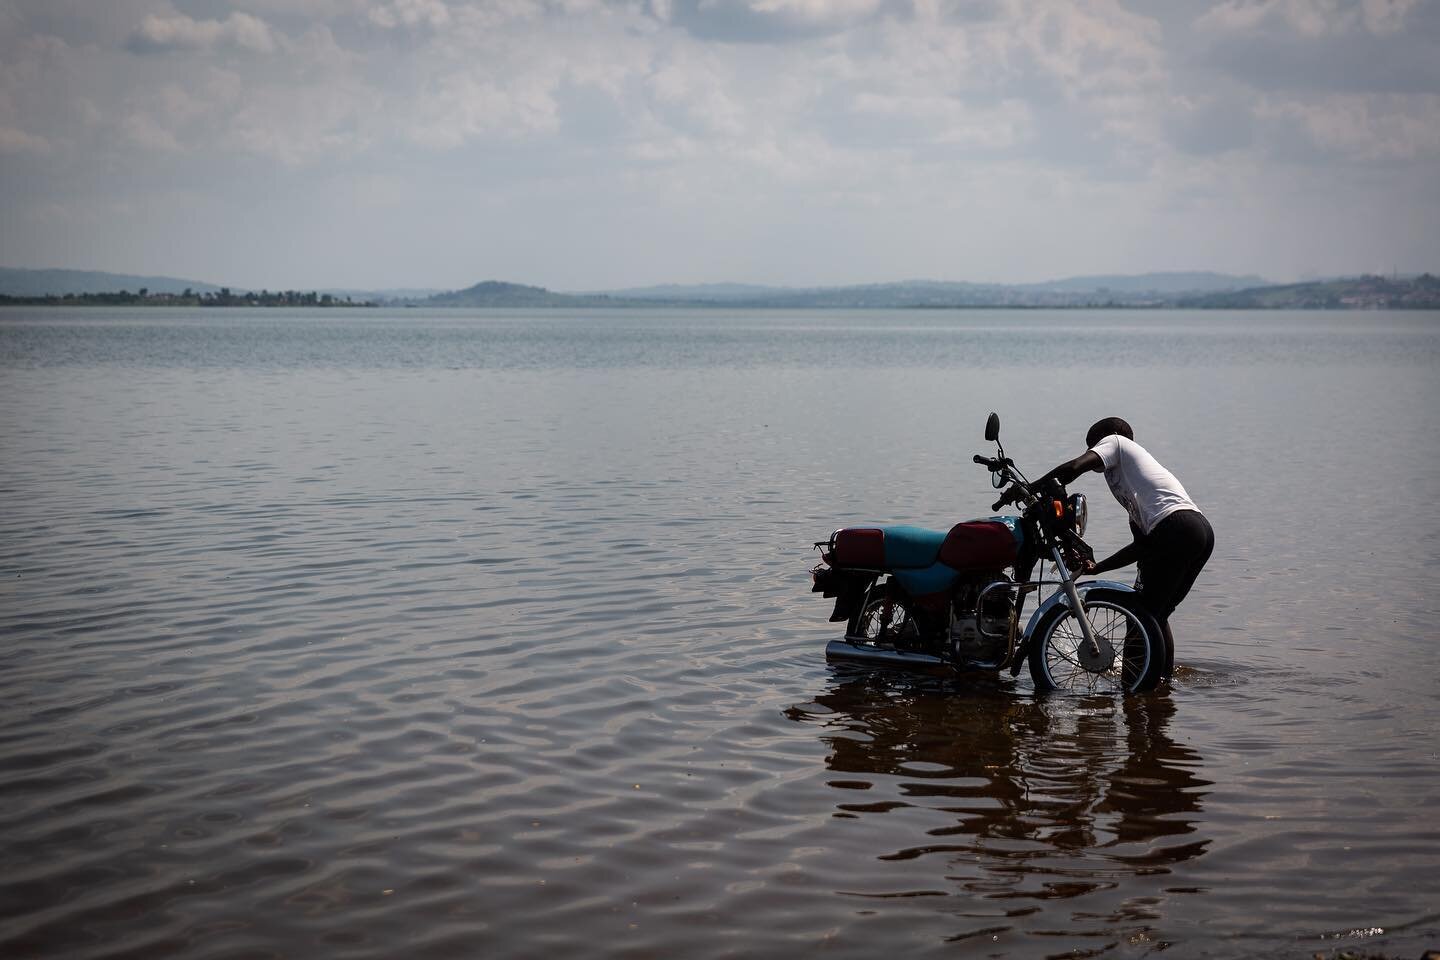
x=224, y=297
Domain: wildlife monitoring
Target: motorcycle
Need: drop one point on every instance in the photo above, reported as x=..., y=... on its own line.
x=945, y=601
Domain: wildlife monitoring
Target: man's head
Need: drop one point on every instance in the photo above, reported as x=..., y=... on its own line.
x=1103, y=429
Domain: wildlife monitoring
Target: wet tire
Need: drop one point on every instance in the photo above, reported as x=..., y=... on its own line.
x=1135, y=660
x=886, y=619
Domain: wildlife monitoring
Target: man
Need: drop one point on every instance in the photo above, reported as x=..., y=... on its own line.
x=1172, y=537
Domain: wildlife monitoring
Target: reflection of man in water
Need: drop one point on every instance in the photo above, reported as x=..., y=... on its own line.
x=1155, y=780
x=1172, y=538
x=1051, y=802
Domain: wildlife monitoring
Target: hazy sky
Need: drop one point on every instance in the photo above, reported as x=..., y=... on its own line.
x=581, y=144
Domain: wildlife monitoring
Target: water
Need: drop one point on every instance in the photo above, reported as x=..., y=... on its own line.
x=378, y=634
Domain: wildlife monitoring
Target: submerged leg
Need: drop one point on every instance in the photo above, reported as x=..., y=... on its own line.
x=1169, y=650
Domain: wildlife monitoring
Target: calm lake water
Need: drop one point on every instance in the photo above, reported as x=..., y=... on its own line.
x=406, y=634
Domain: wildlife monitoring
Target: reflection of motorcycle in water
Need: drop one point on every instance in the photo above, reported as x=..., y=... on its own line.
x=1039, y=801
x=929, y=599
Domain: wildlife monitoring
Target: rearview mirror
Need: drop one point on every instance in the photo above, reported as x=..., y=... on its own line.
x=992, y=427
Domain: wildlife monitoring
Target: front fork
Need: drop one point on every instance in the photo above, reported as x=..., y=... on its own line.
x=1067, y=583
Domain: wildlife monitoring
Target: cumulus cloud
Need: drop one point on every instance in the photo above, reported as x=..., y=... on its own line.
x=1386, y=16
x=14, y=141
x=818, y=11
x=410, y=13
x=1358, y=129
x=767, y=21
x=693, y=93
x=465, y=107
x=1210, y=125
x=145, y=131
x=1309, y=18
x=239, y=31
x=1314, y=82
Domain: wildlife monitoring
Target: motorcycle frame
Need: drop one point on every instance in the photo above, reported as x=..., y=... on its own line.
x=1060, y=596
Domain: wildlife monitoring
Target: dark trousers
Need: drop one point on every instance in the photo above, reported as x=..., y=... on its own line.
x=1171, y=557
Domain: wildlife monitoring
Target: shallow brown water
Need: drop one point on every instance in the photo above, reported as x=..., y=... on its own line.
x=480, y=635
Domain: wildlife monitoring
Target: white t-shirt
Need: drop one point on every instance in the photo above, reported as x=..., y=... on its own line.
x=1147, y=491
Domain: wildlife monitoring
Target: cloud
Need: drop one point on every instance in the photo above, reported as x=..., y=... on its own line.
x=1356, y=129
x=1354, y=46
x=146, y=132
x=14, y=141
x=767, y=21
x=394, y=14
x=834, y=12
x=239, y=31
x=1313, y=82
x=1309, y=18
x=692, y=92
x=1386, y=16
x=1210, y=125
x=505, y=72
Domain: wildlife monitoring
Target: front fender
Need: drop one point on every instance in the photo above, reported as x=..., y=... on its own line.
x=1059, y=598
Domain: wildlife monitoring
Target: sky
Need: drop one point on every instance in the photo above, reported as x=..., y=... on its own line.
x=602, y=144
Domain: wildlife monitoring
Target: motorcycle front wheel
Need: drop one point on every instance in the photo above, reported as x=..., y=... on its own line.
x=1131, y=658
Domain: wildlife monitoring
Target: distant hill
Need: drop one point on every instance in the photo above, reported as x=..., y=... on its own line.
x=909, y=293
x=1079, y=292
x=495, y=293
x=1146, y=290
x=492, y=293
x=1161, y=283
x=1346, y=293
x=927, y=290
x=45, y=283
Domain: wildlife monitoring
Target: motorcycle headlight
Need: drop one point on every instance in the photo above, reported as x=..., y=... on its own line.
x=1080, y=510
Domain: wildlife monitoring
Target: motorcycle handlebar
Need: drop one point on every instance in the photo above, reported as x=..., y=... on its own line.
x=1016, y=493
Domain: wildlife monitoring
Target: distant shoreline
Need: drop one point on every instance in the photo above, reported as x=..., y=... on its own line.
x=223, y=298
x=1368, y=292
x=104, y=300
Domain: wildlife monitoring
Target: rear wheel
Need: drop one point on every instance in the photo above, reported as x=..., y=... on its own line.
x=1131, y=657
x=887, y=619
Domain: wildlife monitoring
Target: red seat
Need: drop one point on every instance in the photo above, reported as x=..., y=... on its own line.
x=859, y=547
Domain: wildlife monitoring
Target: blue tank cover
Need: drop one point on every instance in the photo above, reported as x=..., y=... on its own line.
x=911, y=547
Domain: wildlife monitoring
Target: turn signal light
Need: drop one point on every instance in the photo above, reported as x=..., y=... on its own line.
x=1059, y=509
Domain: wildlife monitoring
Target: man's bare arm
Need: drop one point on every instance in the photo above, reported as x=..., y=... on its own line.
x=1123, y=557
x=1070, y=469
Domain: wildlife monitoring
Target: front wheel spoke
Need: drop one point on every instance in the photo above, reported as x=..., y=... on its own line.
x=1109, y=623
x=1069, y=658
